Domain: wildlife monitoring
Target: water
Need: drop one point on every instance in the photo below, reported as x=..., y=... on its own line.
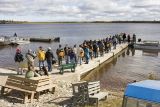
x=125, y=69
x=128, y=66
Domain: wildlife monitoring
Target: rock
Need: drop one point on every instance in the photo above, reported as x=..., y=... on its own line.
x=9, y=105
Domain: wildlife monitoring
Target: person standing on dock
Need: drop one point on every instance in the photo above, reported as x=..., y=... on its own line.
x=49, y=57
x=80, y=54
x=128, y=38
x=95, y=49
x=41, y=57
x=124, y=37
x=19, y=59
x=134, y=38
x=114, y=41
x=60, y=54
x=86, y=53
x=101, y=48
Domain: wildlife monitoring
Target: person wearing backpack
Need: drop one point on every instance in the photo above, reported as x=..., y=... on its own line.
x=19, y=59
x=60, y=54
x=80, y=54
x=41, y=57
x=49, y=57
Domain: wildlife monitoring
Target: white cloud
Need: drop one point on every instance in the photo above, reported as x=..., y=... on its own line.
x=79, y=10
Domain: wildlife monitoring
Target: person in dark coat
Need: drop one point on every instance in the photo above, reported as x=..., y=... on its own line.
x=19, y=59
x=128, y=38
x=49, y=57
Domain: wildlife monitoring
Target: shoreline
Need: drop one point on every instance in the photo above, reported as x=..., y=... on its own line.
x=74, y=22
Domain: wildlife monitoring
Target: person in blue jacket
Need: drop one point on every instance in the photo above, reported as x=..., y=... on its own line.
x=86, y=53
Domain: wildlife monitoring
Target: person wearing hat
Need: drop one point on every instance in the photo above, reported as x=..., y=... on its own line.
x=41, y=57
x=19, y=59
x=60, y=54
x=49, y=57
x=30, y=56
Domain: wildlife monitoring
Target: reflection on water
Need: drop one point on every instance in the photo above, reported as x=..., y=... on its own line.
x=126, y=67
x=150, y=53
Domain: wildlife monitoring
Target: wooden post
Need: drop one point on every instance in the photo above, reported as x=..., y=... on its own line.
x=32, y=97
x=2, y=90
x=25, y=97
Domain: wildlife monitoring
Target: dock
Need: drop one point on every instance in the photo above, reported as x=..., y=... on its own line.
x=81, y=70
x=64, y=82
x=56, y=39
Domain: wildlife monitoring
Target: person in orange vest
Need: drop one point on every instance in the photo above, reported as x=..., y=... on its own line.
x=41, y=57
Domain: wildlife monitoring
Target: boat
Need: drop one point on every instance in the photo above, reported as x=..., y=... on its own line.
x=49, y=40
x=3, y=40
x=18, y=40
x=147, y=45
x=14, y=40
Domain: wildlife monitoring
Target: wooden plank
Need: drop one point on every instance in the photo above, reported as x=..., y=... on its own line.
x=22, y=79
x=95, y=82
x=18, y=89
x=43, y=83
x=78, y=83
x=22, y=86
x=20, y=82
x=99, y=96
x=45, y=87
x=94, y=89
x=3, y=80
x=43, y=80
x=40, y=78
x=94, y=85
x=94, y=92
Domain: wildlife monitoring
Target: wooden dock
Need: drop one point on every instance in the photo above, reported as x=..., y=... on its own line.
x=81, y=70
x=56, y=39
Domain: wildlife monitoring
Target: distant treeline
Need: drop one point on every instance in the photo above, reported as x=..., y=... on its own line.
x=26, y=22
x=125, y=22
x=11, y=22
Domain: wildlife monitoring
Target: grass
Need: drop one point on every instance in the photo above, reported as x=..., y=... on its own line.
x=115, y=100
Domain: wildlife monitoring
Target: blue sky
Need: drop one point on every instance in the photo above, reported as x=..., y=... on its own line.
x=79, y=10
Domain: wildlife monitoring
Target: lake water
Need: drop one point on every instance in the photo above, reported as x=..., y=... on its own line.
x=131, y=67
x=128, y=66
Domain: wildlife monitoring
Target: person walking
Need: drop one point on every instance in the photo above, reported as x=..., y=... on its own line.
x=41, y=57
x=49, y=57
x=19, y=59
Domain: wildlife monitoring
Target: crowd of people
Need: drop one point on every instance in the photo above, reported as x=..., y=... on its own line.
x=83, y=53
